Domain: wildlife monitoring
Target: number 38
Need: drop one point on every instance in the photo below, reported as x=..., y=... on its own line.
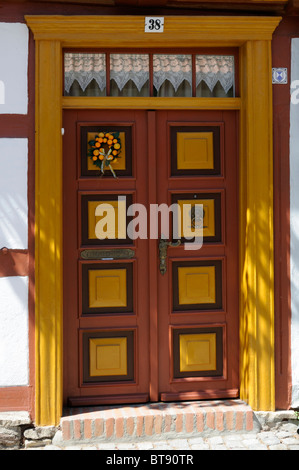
x=154, y=24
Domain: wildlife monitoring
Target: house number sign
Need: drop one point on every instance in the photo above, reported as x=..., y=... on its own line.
x=154, y=24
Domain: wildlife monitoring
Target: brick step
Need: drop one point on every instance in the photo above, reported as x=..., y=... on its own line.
x=156, y=421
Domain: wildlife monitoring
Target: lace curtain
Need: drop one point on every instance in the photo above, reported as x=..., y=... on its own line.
x=214, y=70
x=81, y=69
x=172, y=74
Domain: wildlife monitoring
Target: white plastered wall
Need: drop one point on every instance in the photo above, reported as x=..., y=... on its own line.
x=13, y=193
x=13, y=68
x=14, y=342
x=14, y=367
x=294, y=219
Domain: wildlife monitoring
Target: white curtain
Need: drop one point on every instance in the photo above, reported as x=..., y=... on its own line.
x=215, y=70
x=172, y=74
x=130, y=74
x=85, y=74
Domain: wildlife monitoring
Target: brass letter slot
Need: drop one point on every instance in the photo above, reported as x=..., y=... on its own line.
x=108, y=254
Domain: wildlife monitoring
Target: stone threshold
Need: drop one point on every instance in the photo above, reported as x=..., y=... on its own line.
x=155, y=421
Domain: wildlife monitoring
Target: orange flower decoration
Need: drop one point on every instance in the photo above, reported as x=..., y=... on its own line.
x=104, y=149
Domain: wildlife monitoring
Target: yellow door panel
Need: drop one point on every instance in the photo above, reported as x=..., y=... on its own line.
x=107, y=288
x=185, y=226
x=197, y=285
x=108, y=356
x=195, y=150
x=197, y=352
x=106, y=219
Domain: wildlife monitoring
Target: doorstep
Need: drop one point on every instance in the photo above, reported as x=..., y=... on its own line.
x=155, y=421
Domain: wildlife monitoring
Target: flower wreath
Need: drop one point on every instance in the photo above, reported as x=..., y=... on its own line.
x=105, y=149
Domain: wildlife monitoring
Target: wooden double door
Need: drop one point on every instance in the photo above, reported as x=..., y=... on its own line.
x=145, y=320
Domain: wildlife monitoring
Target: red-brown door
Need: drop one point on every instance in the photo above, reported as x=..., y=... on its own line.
x=198, y=295
x=140, y=326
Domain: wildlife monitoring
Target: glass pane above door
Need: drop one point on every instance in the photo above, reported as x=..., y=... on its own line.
x=84, y=74
x=172, y=75
x=215, y=76
x=144, y=75
x=129, y=75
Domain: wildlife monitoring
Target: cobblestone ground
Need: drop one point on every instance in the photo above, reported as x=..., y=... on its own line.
x=283, y=437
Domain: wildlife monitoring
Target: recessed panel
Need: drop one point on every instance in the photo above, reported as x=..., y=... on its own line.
x=211, y=220
x=107, y=288
x=187, y=216
x=197, y=352
x=106, y=151
x=108, y=356
x=104, y=219
x=197, y=285
x=195, y=151
x=120, y=161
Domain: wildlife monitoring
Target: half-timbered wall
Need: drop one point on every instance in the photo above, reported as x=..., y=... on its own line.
x=14, y=216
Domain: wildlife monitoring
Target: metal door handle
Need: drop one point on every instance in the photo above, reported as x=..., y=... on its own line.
x=163, y=245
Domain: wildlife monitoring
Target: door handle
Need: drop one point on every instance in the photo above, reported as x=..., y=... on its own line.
x=163, y=245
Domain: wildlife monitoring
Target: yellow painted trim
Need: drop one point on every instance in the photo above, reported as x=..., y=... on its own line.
x=257, y=373
x=252, y=35
x=186, y=31
x=48, y=235
x=111, y=102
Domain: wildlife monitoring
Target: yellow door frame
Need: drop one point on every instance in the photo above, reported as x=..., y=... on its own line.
x=252, y=35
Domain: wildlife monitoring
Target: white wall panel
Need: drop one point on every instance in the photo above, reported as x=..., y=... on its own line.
x=13, y=68
x=14, y=368
x=13, y=193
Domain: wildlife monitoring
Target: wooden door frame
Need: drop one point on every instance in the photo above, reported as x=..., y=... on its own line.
x=252, y=35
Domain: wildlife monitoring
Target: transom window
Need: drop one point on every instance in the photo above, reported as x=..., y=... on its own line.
x=163, y=75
